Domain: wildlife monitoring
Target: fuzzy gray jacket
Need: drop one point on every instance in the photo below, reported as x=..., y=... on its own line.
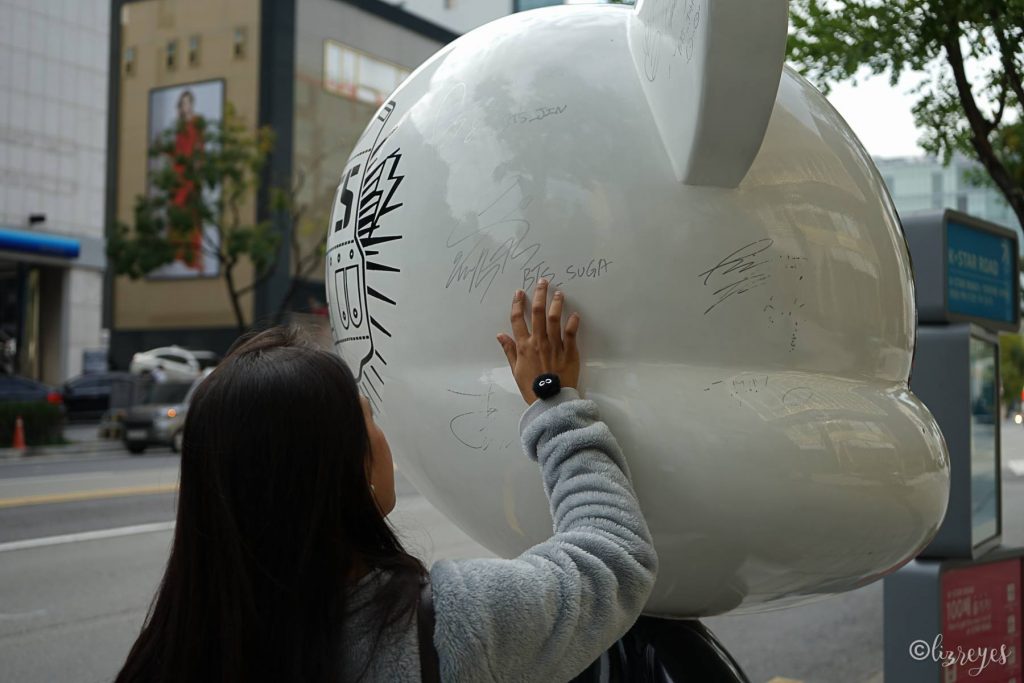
x=547, y=614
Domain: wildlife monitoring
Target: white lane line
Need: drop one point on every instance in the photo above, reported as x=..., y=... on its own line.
x=86, y=536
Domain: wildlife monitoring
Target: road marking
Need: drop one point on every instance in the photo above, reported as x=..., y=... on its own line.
x=95, y=494
x=48, y=478
x=86, y=536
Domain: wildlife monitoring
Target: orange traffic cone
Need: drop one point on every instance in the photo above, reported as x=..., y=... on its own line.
x=19, y=434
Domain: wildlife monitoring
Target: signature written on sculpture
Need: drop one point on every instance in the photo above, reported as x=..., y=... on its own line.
x=673, y=24
x=538, y=114
x=750, y=268
x=470, y=427
x=738, y=272
x=593, y=269
x=495, y=242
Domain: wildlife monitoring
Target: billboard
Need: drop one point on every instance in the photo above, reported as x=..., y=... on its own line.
x=184, y=110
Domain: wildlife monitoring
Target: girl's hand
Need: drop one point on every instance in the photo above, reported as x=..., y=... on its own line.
x=545, y=349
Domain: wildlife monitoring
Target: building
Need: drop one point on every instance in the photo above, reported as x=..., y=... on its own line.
x=523, y=5
x=459, y=16
x=465, y=15
x=315, y=71
x=53, y=138
x=919, y=183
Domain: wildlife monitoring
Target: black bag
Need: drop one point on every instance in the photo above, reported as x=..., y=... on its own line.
x=430, y=669
x=665, y=651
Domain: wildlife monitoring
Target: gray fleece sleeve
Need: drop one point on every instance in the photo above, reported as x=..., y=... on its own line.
x=547, y=614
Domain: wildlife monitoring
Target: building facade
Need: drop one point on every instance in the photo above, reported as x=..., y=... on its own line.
x=459, y=16
x=314, y=71
x=920, y=183
x=53, y=130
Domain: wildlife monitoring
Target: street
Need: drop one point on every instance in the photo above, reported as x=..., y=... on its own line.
x=83, y=541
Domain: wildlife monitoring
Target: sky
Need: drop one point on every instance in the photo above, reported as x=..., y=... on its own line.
x=879, y=114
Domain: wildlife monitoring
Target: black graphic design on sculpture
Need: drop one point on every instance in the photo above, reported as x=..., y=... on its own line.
x=366, y=195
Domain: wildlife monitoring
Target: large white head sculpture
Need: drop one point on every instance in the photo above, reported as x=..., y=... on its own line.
x=745, y=290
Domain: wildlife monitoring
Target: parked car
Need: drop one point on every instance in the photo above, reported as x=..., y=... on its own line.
x=173, y=362
x=126, y=391
x=88, y=396
x=160, y=419
x=15, y=388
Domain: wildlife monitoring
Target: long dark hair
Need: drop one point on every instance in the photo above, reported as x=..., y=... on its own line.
x=275, y=518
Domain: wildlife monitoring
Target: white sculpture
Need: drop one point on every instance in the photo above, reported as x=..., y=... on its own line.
x=746, y=297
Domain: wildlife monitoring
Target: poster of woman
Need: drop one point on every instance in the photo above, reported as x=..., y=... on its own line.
x=183, y=111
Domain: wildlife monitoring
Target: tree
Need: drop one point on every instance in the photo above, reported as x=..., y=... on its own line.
x=972, y=98
x=194, y=209
x=303, y=261
x=196, y=206
x=1011, y=368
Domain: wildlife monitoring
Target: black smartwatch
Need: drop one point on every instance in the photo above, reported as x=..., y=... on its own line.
x=546, y=385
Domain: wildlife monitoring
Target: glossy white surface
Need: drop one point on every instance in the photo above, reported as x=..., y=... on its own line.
x=710, y=71
x=749, y=347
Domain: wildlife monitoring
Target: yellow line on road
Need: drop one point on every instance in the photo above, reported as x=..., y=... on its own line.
x=95, y=494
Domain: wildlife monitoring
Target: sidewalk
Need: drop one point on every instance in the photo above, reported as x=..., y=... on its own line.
x=83, y=440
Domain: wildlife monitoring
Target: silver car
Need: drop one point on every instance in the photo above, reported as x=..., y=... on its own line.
x=160, y=419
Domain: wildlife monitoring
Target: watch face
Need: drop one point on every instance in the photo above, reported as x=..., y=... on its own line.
x=546, y=385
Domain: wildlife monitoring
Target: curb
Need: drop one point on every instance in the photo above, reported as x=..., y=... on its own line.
x=84, y=448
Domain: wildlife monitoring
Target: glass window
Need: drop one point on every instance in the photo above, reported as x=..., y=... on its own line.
x=984, y=414
x=129, y=61
x=172, y=54
x=193, y=50
x=358, y=76
x=522, y=5
x=239, y=42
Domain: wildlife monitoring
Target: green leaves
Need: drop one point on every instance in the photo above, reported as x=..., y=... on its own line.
x=970, y=55
x=1011, y=367
x=834, y=39
x=204, y=177
x=259, y=243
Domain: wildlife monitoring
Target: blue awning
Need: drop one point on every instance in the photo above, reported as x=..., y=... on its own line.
x=39, y=243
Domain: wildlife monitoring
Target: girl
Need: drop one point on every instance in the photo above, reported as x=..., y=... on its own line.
x=283, y=567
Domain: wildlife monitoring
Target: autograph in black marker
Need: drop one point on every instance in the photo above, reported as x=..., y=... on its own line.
x=478, y=262
x=739, y=271
x=469, y=435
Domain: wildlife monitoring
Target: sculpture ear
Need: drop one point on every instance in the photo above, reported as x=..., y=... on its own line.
x=710, y=70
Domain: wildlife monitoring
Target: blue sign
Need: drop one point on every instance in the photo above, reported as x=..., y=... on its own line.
x=38, y=243
x=981, y=274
